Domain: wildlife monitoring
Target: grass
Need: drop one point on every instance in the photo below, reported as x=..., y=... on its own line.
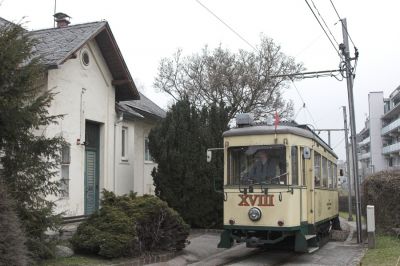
x=78, y=260
x=345, y=215
x=74, y=260
x=387, y=252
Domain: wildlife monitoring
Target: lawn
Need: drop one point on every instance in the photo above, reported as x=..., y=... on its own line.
x=387, y=252
x=345, y=215
x=74, y=260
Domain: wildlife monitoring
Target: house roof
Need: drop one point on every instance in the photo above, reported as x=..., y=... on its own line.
x=4, y=22
x=143, y=108
x=57, y=45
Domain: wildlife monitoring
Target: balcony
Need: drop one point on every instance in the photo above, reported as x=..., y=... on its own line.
x=391, y=127
x=391, y=148
x=366, y=141
x=364, y=156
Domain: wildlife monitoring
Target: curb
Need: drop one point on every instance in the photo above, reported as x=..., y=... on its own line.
x=205, y=231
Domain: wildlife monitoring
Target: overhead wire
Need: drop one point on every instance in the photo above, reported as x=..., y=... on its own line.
x=226, y=25
x=326, y=25
x=304, y=104
x=337, y=144
x=348, y=34
x=345, y=28
x=249, y=44
x=322, y=27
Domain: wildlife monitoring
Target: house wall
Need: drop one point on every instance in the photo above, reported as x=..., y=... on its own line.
x=83, y=93
x=134, y=174
x=376, y=110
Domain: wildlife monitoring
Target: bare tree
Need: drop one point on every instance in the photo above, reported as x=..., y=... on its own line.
x=244, y=81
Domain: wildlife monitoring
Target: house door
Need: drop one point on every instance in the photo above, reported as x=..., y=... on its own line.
x=92, y=143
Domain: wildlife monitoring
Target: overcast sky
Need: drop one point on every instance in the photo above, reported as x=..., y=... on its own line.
x=147, y=31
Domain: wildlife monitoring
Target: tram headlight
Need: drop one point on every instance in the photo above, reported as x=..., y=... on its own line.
x=254, y=214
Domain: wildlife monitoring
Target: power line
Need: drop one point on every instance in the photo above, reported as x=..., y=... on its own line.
x=323, y=20
x=345, y=28
x=304, y=104
x=322, y=27
x=226, y=24
x=340, y=142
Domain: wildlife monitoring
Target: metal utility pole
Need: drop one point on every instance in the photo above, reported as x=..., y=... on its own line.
x=349, y=77
x=346, y=137
x=329, y=133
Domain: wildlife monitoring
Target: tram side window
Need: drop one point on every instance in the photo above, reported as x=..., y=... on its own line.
x=330, y=175
x=317, y=169
x=334, y=176
x=295, y=166
x=303, y=167
x=324, y=172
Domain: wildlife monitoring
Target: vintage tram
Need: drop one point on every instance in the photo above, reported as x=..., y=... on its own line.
x=280, y=186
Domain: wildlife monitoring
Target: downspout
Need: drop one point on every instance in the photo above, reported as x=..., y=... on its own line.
x=120, y=119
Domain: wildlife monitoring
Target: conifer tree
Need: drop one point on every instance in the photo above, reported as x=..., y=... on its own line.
x=29, y=159
x=12, y=239
x=183, y=178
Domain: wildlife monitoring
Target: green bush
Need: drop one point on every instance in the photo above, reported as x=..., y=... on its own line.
x=127, y=225
x=382, y=190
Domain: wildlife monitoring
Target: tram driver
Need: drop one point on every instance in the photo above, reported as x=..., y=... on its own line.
x=264, y=169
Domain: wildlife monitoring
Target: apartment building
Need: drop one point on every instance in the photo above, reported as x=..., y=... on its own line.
x=379, y=140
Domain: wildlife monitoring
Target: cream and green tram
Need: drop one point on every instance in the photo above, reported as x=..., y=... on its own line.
x=280, y=187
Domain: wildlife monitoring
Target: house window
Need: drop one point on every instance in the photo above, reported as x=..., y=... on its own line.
x=65, y=162
x=124, y=144
x=147, y=155
x=66, y=154
x=390, y=162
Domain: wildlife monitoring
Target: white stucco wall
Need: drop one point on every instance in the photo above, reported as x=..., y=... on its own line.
x=135, y=173
x=83, y=93
x=376, y=110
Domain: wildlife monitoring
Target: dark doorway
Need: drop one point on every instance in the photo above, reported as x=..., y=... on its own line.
x=92, y=150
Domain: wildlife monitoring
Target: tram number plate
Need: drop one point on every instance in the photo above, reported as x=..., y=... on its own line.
x=256, y=200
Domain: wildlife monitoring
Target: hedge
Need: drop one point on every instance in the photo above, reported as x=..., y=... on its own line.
x=383, y=191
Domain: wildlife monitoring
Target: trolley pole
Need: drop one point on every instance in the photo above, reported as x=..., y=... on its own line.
x=349, y=77
x=346, y=137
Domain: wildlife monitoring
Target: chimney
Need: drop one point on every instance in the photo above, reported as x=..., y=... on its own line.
x=62, y=19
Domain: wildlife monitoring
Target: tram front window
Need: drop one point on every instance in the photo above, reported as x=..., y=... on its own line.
x=257, y=165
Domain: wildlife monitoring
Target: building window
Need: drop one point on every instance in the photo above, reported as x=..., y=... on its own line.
x=85, y=58
x=124, y=144
x=66, y=154
x=147, y=155
x=65, y=162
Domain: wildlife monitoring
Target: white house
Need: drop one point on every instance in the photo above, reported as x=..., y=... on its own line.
x=106, y=120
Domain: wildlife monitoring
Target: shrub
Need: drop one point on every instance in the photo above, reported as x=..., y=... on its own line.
x=109, y=233
x=382, y=190
x=128, y=225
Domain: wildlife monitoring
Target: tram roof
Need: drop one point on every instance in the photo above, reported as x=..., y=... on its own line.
x=289, y=128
